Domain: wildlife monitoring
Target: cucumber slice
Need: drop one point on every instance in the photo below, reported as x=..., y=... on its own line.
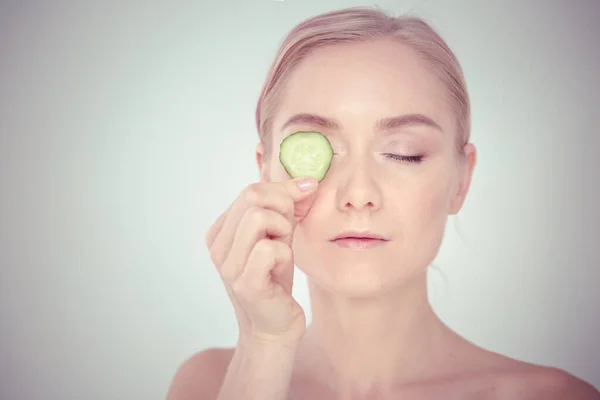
x=306, y=154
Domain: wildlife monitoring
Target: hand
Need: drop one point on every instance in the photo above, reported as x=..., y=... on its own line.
x=250, y=244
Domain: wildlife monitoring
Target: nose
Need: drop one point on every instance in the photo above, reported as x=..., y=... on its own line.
x=358, y=188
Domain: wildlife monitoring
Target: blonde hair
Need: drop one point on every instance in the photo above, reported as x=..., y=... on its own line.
x=360, y=24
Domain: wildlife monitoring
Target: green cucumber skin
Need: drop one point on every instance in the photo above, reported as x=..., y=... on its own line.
x=289, y=141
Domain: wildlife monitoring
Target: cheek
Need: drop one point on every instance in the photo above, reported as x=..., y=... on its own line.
x=420, y=222
x=429, y=200
x=419, y=210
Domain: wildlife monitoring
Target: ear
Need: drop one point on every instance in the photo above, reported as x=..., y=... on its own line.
x=467, y=166
x=262, y=163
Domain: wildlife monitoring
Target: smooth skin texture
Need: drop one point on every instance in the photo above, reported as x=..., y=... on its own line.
x=373, y=333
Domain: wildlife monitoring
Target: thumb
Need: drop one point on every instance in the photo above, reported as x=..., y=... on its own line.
x=302, y=192
x=302, y=207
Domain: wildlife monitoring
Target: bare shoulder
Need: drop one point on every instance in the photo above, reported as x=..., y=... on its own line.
x=499, y=377
x=200, y=375
x=534, y=382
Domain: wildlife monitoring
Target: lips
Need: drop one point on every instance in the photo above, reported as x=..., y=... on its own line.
x=360, y=235
x=359, y=240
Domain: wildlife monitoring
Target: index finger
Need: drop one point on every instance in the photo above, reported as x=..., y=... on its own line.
x=216, y=227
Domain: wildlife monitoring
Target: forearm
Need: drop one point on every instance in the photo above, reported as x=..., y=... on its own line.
x=259, y=371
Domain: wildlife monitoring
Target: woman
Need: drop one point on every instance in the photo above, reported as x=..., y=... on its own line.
x=391, y=98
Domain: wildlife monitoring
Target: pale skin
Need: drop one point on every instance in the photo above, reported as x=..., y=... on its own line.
x=373, y=333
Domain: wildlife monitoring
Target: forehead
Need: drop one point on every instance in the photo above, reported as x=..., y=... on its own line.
x=359, y=83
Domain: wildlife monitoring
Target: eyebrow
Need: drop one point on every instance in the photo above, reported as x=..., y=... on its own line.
x=384, y=124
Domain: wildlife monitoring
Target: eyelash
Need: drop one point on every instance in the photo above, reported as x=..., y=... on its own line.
x=408, y=159
x=400, y=158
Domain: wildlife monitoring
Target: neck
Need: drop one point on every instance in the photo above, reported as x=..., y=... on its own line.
x=365, y=344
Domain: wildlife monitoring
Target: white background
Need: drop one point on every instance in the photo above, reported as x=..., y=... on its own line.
x=126, y=129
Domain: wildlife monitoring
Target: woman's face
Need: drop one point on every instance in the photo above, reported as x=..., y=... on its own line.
x=373, y=100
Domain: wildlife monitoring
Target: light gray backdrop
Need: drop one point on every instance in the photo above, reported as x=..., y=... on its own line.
x=127, y=127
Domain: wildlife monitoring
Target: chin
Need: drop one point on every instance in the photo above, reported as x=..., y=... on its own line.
x=358, y=276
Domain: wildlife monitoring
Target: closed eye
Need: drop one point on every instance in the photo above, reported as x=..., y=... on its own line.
x=410, y=159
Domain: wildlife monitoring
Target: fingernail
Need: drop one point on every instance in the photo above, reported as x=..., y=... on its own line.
x=305, y=184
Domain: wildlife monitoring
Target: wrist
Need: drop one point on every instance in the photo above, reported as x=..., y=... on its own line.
x=260, y=369
x=269, y=343
x=267, y=346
